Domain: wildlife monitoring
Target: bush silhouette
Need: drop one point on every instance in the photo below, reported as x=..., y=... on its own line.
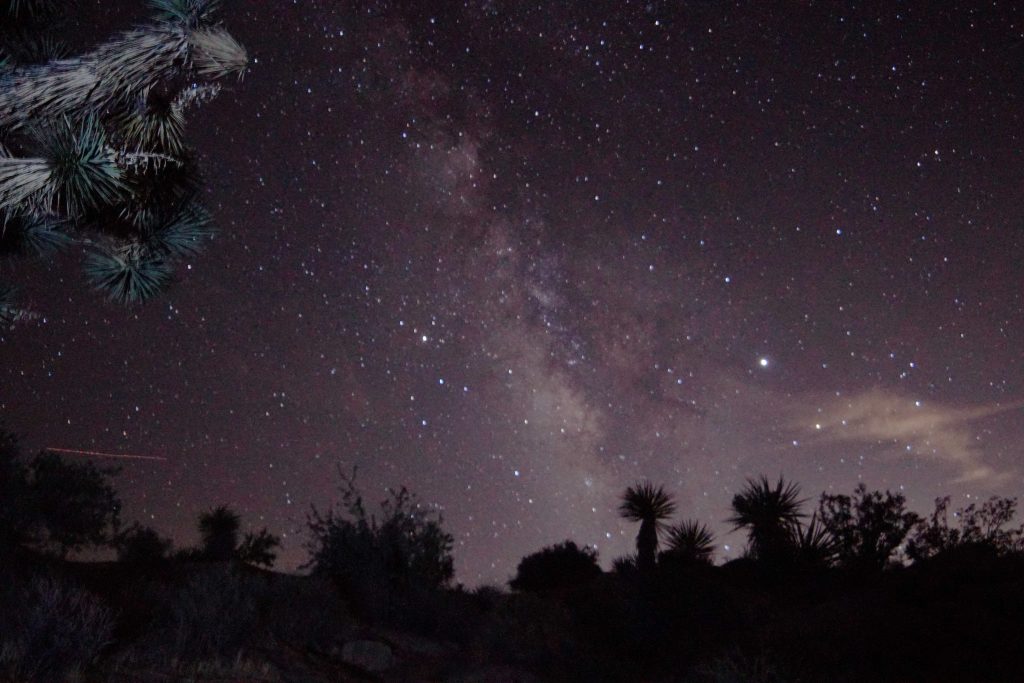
x=141, y=545
x=51, y=630
x=983, y=527
x=259, y=548
x=556, y=567
x=867, y=527
x=210, y=613
x=380, y=562
x=625, y=565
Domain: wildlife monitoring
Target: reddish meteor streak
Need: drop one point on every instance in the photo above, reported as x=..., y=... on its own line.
x=97, y=454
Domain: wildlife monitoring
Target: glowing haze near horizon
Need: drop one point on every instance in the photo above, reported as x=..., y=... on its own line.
x=517, y=257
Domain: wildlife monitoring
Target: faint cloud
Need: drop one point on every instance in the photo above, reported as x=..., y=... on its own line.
x=905, y=427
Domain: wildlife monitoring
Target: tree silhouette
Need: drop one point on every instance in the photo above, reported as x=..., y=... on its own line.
x=259, y=548
x=74, y=504
x=555, y=567
x=93, y=146
x=53, y=505
x=219, y=529
x=867, y=527
x=690, y=541
x=649, y=505
x=768, y=513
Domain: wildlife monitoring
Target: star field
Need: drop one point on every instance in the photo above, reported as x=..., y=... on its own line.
x=518, y=256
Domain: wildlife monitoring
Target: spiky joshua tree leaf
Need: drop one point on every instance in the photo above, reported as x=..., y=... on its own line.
x=29, y=8
x=154, y=124
x=216, y=54
x=30, y=48
x=184, y=231
x=188, y=13
x=34, y=234
x=8, y=310
x=22, y=180
x=128, y=274
x=93, y=147
x=83, y=169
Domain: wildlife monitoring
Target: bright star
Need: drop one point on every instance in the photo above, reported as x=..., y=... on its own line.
x=763, y=362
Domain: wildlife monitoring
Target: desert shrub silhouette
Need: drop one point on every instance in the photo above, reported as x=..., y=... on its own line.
x=981, y=527
x=526, y=630
x=209, y=613
x=384, y=565
x=305, y=611
x=736, y=667
x=141, y=545
x=259, y=548
x=556, y=567
x=50, y=630
x=868, y=527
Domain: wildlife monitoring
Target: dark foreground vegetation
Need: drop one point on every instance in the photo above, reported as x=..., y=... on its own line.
x=859, y=589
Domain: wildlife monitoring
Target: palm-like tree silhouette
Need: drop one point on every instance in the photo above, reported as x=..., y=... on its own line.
x=648, y=504
x=768, y=513
x=219, y=531
x=691, y=541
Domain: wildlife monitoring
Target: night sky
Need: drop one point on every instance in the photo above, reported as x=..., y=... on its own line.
x=518, y=256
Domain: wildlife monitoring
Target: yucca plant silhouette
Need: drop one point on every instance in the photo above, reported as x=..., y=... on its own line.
x=768, y=512
x=815, y=546
x=650, y=505
x=259, y=548
x=690, y=541
x=624, y=565
x=219, y=531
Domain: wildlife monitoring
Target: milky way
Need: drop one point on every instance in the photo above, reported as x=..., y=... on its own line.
x=518, y=257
